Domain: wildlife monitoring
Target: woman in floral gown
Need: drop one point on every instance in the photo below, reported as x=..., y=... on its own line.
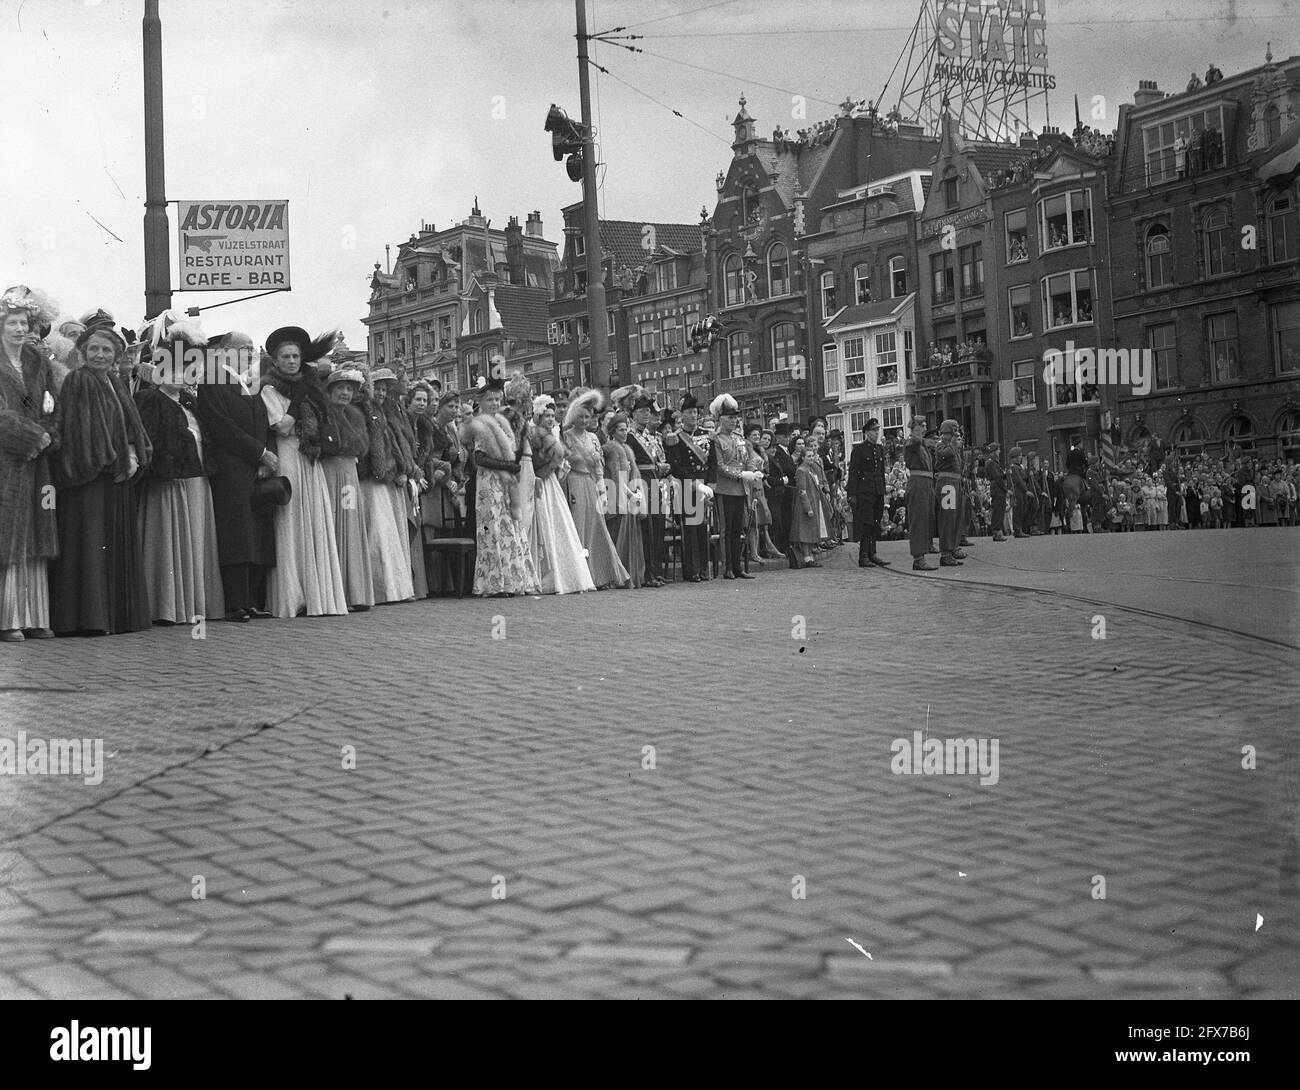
x=503, y=564
x=626, y=500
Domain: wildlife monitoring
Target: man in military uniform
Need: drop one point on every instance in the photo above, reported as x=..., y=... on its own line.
x=1023, y=495
x=648, y=450
x=866, y=489
x=947, y=483
x=727, y=474
x=687, y=451
x=997, y=478
x=920, y=495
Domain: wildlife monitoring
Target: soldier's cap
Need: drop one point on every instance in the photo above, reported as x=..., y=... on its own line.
x=949, y=427
x=871, y=424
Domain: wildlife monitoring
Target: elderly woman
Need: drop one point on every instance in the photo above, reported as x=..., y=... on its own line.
x=350, y=530
x=97, y=585
x=552, y=538
x=586, y=489
x=383, y=473
x=178, y=529
x=28, y=531
x=808, y=520
x=307, y=579
x=627, y=502
x=503, y=564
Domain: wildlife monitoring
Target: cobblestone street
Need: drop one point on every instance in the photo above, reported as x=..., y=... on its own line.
x=502, y=833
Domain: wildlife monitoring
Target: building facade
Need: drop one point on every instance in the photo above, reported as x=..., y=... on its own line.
x=1206, y=264
x=770, y=198
x=432, y=316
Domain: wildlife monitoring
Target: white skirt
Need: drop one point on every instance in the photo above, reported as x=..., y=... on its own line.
x=178, y=537
x=307, y=570
x=390, y=548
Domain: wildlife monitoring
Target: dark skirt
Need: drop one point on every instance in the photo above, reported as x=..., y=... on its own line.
x=97, y=581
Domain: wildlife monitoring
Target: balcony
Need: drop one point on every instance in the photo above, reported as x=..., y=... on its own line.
x=762, y=380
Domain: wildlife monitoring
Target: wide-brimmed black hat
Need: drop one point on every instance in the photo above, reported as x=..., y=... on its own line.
x=310, y=350
x=690, y=401
x=272, y=492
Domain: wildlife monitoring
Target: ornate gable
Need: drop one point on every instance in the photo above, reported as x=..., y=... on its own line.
x=1272, y=98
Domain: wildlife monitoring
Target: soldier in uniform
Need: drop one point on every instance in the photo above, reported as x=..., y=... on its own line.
x=997, y=479
x=781, y=471
x=727, y=473
x=947, y=483
x=1022, y=495
x=648, y=450
x=866, y=488
x=687, y=451
x=920, y=495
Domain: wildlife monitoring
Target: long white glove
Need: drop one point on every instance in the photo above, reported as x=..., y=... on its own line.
x=706, y=491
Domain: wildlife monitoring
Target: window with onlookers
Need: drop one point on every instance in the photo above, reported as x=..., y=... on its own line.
x=1024, y=383
x=828, y=294
x=886, y=359
x=830, y=370
x=1065, y=220
x=1018, y=298
x=1221, y=336
x=1184, y=146
x=1067, y=299
x=897, y=276
x=855, y=363
x=862, y=283
x=1017, y=232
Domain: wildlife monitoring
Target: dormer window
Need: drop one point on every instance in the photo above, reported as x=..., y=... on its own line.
x=666, y=276
x=950, y=192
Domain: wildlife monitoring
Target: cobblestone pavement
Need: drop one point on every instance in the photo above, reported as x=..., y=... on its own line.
x=516, y=766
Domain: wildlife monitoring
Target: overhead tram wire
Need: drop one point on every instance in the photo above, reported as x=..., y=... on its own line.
x=746, y=80
x=675, y=15
x=657, y=102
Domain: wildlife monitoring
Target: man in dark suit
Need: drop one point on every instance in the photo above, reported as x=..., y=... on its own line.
x=866, y=489
x=244, y=448
x=781, y=472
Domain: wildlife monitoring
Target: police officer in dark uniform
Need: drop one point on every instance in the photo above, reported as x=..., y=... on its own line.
x=687, y=451
x=866, y=489
x=947, y=483
x=920, y=495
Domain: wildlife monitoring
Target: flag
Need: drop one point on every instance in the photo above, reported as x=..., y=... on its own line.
x=1281, y=166
x=1108, y=458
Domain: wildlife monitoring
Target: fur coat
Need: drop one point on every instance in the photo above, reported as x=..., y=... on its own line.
x=380, y=461
x=349, y=424
x=175, y=454
x=548, y=452
x=28, y=530
x=98, y=421
x=492, y=434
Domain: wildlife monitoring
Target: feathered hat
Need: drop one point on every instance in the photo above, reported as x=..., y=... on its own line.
x=625, y=397
x=723, y=405
x=41, y=310
x=541, y=403
x=345, y=374
x=518, y=389
x=589, y=399
x=310, y=350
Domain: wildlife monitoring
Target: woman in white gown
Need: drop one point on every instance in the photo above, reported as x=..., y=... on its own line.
x=307, y=578
x=557, y=549
x=383, y=495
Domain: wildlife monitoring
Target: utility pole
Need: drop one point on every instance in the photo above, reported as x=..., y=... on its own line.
x=597, y=322
x=157, y=241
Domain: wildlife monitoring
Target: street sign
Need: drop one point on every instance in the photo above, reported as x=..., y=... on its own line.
x=233, y=245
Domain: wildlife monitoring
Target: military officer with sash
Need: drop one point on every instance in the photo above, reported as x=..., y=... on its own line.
x=687, y=452
x=648, y=450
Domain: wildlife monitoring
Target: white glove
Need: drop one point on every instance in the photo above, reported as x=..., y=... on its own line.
x=748, y=475
x=706, y=491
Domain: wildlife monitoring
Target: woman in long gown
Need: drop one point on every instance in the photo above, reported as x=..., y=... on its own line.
x=28, y=438
x=808, y=522
x=383, y=485
x=554, y=542
x=585, y=488
x=503, y=564
x=97, y=583
x=307, y=579
x=178, y=529
x=626, y=501
x=350, y=530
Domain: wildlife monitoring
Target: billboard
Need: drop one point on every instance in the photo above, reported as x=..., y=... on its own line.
x=233, y=245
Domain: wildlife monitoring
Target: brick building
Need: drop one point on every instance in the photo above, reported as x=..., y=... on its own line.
x=456, y=297
x=1206, y=263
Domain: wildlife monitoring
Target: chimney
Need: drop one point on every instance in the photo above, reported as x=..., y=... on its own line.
x=515, y=250
x=534, y=225
x=1147, y=93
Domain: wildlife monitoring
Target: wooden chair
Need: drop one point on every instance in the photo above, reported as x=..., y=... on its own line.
x=450, y=540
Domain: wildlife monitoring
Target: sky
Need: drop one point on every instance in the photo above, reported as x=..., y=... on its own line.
x=372, y=117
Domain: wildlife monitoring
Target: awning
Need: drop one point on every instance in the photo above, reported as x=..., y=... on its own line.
x=1281, y=164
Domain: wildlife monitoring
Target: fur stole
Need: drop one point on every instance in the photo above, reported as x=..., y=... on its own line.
x=491, y=433
x=97, y=421
x=399, y=426
x=350, y=426
x=309, y=408
x=379, y=463
x=548, y=452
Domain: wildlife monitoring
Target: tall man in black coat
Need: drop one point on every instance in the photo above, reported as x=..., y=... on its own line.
x=234, y=415
x=997, y=478
x=866, y=490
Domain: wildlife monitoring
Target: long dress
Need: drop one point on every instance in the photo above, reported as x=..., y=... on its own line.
x=583, y=486
x=382, y=505
x=307, y=572
x=27, y=525
x=350, y=530
x=503, y=563
x=178, y=530
x=552, y=538
x=624, y=514
x=97, y=582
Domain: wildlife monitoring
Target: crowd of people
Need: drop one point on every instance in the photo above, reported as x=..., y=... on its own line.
x=133, y=493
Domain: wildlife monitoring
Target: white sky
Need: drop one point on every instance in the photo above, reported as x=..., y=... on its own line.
x=370, y=116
